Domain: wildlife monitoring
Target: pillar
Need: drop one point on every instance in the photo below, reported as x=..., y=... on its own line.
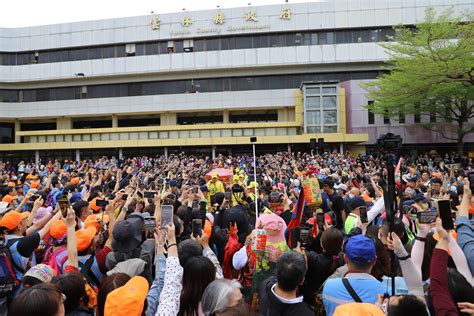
x=78, y=155
x=225, y=116
x=168, y=119
x=63, y=123
x=120, y=153
x=166, y=152
x=341, y=148
x=213, y=152
x=289, y=148
x=114, y=121
x=17, y=129
x=37, y=157
x=282, y=115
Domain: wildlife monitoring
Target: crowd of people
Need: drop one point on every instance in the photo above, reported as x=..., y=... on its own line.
x=186, y=235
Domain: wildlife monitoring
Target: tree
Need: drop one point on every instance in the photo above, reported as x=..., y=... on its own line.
x=430, y=73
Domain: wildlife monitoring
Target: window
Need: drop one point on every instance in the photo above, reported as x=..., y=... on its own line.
x=7, y=132
x=371, y=118
x=135, y=121
x=120, y=51
x=8, y=96
x=213, y=44
x=92, y=123
x=386, y=118
x=199, y=45
x=227, y=43
x=25, y=126
x=140, y=49
x=199, y=118
x=178, y=46
x=260, y=41
x=401, y=115
x=320, y=104
x=243, y=42
x=432, y=117
x=253, y=116
x=417, y=114
x=276, y=40
x=107, y=51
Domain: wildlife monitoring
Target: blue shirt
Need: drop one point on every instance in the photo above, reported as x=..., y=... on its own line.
x=465, y=239
x=94, y=268
x=366, y=286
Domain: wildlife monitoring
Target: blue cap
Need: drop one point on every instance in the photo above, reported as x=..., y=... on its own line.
x=355, y=202
x=173, y=183
x=360, y=250
x=76, y=196
x=420, y=197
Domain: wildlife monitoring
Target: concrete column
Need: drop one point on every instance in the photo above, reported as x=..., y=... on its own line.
x=289, y=148
x=78, y=155
x=120, y=153
x=282, y=115
x=63, y=123
x=213, y=152
x=114, y=121
x=168, y=119
x=17, y=129
x=225, y=116
x=341, y=148
x=37, y=157
x=166, y=152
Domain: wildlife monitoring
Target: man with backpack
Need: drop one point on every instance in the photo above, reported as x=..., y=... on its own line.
x=21, y=248
x=17, y=252
x=358, y=285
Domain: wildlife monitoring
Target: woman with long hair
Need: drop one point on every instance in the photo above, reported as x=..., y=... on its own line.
x=198, y=273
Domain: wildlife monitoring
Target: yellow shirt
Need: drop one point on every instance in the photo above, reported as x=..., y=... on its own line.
x=215, y=187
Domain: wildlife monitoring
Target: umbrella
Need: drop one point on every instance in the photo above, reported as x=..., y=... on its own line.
x=222, y=173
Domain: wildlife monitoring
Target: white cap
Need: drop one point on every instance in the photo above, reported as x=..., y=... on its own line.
x=341, y=186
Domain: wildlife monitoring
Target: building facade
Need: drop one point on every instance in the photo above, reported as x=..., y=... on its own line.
x=203, y=81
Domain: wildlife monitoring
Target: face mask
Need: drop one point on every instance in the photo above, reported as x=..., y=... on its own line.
x=351, y=195
x=424, y=206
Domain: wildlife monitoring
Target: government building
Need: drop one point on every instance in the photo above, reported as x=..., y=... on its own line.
x=204, y=81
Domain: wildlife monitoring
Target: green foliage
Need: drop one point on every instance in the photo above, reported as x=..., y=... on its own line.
x=431, y=70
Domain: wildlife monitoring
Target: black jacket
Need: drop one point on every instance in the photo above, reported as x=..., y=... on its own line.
x=319, y=269
x=270, y=305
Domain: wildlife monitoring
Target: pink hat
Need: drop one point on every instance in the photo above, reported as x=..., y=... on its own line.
x=274, y=225
x=41, y=213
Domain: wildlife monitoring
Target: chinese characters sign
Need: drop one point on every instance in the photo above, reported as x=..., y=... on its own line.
x=218, y=20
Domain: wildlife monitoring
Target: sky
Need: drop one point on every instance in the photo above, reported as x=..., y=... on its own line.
x=22, y=13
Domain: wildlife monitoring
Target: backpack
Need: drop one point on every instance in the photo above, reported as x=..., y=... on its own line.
x=91, y=282
x=51, y=259
x=8, y=280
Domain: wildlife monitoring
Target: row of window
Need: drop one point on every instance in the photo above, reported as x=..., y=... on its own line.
x=237, y=132
x=179, y=86
x=401, y=117
x=199, y=45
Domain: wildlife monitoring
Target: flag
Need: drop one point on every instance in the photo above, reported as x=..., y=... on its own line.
x=297, y=214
